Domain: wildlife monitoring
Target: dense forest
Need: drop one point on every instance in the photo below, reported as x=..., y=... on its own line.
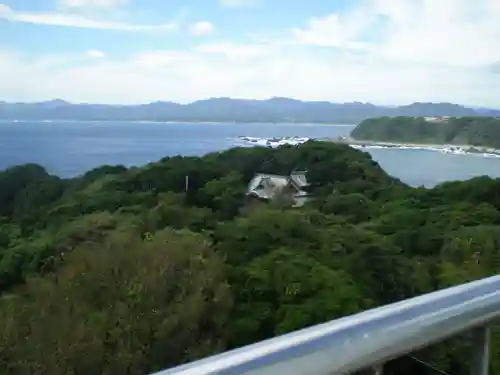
x=123, y=271
x=474, y=131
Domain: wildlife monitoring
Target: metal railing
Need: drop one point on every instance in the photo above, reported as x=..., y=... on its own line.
x=368, y=339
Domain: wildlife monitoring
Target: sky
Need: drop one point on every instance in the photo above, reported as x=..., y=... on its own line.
x=136, y=51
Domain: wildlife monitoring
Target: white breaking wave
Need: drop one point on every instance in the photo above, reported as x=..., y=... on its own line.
x=294, y=141
x=454, y=150
x=272, y=142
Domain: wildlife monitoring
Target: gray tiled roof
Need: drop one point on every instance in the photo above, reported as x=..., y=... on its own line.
x=266, y=186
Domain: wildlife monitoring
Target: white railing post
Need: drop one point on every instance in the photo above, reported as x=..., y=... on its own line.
x=480, y=351
x=367, y=340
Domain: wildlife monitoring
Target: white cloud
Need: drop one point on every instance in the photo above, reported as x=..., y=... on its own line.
x=425, y=51
x=334, y=30
x=95, y=53
x=452, y=32
x=201, y=28
x=78, y=21
x=92, y=3
x=5, y=11
x=240, y=71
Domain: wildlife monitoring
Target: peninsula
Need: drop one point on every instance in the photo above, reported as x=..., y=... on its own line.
x=482, y=132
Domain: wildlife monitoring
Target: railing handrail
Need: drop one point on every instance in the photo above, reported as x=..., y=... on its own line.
x=361, y=340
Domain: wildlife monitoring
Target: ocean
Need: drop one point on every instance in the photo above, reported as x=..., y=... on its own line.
x=70, y=148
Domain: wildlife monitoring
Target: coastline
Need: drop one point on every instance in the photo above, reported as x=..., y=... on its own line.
x=456, y=149
x=367, y=144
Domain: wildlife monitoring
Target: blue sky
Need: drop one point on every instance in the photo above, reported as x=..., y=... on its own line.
x=135, y=51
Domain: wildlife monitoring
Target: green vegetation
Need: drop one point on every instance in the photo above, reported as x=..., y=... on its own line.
x=121, y=271
x=474, y=131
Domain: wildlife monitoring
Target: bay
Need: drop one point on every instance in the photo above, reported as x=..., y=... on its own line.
x=69, y=148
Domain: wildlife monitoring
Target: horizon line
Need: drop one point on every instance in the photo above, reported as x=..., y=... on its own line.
x=475, y=107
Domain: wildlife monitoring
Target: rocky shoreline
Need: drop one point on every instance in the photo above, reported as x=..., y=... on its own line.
x=365, y=144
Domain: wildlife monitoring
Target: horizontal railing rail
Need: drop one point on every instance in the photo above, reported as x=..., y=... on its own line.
x=367, y=339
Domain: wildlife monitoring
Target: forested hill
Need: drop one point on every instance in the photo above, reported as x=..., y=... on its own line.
x=230, y=110
x=120, y=271
x=474, y=131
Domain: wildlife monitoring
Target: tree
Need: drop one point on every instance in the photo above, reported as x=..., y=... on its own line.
x=121, y=308
x=123, y=271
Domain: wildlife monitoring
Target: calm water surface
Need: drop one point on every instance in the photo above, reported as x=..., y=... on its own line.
x=70, y=148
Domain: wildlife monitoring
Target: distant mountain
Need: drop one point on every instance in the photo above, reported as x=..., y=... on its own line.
x=231, y=110
x=488, y=112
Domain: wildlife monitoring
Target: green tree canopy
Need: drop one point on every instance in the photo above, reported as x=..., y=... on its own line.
x=125, y=271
